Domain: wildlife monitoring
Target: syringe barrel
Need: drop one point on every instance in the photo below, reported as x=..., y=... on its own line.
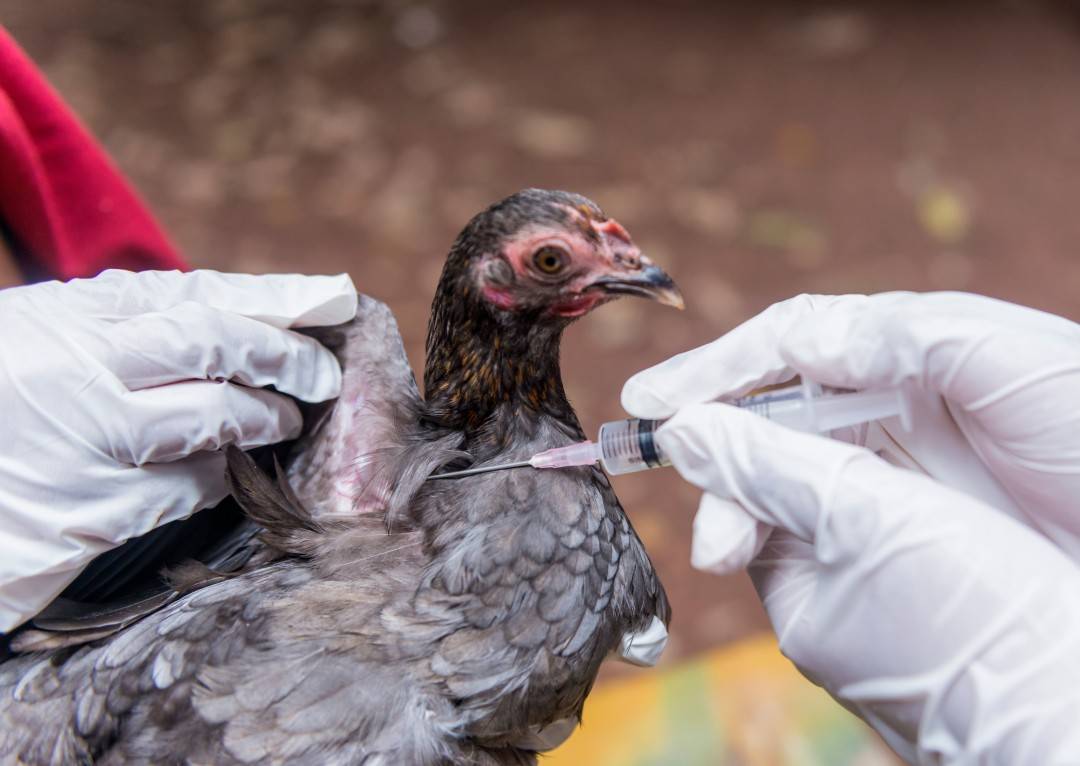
x=786, y=406
x=628, y=445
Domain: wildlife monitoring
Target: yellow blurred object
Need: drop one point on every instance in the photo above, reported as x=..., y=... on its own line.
x=944, y=214
x=745, y=705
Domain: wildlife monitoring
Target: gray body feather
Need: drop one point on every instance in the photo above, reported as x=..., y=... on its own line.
x=384, y=620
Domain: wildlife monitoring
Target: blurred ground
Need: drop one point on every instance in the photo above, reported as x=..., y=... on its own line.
x=754, y=150
x=742, y=705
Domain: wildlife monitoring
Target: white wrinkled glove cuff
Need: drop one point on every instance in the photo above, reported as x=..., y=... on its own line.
x=644, y=647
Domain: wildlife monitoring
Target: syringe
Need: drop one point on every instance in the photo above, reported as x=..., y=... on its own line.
x=626, y=446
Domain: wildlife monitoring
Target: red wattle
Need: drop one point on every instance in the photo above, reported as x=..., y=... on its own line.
x=578, y=306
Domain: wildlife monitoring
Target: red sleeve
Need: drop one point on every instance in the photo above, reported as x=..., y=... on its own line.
x=67, y=208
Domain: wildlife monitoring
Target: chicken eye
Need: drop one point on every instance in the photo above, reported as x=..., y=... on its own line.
x=549, y=259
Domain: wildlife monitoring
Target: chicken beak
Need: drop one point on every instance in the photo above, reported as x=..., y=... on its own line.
x=627, y=272
x=648, y=281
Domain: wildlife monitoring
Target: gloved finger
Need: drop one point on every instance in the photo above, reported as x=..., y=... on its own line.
x=726, y=538
x=822, y=491
x=281, y=300
x=171, y=422
x=179, y=489
x=163, y=492
x=744, y=359
x=190, y=341
x=965, y=347
x=35, y=568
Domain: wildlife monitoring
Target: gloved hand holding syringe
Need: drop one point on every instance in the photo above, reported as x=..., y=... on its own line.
x=939, y=602
x=627, y=446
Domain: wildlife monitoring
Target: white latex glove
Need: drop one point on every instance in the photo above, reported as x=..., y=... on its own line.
x=950, y=623
x=117, y=394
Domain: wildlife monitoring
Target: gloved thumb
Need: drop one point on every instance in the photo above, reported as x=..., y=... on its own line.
x=726, y=538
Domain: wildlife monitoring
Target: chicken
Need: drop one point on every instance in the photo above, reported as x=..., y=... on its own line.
x=384, y=618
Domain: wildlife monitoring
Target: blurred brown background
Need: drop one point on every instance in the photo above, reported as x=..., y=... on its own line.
x=755, y=150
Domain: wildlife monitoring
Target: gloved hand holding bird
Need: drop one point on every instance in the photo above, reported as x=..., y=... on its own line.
x=357, y=612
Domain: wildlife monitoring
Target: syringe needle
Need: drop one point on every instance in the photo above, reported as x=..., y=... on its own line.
x=582, y=453
x=481, y=469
